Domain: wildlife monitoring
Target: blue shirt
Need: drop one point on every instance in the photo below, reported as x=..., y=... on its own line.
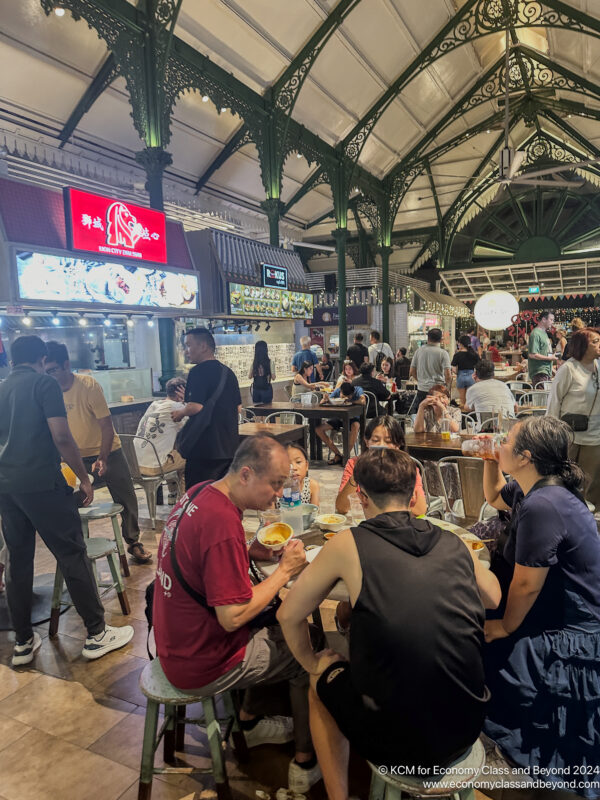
x=302, y=356
x=358, y=392
x=555, y=529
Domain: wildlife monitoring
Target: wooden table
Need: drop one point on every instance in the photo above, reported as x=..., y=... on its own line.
x=431, y=446
x=506, y=375
x=515, y=356
x=283, y=433
x=315, y=414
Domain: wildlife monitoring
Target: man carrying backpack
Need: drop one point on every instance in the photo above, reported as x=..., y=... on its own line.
x=379, y=350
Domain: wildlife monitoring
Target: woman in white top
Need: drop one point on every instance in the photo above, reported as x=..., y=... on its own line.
x=302, y=382
x=575, y=390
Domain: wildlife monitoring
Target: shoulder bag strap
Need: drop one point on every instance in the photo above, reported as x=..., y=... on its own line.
x=199, y=598
x=596, y=379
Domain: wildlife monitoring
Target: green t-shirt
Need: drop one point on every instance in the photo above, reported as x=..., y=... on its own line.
x=539, y=342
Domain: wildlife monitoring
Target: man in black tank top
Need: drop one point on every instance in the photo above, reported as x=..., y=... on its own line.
x=413, y=693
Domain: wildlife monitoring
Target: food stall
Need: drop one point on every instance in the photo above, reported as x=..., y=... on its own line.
x=97, y=273
x=250, y=291
x=428, y=310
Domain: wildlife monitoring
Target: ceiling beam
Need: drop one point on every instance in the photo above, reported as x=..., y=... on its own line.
x=236, y=142
x=311, y=183
x=107, y=73
x=572, y=132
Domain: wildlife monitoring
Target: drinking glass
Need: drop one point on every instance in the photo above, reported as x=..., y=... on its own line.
x=445, y=428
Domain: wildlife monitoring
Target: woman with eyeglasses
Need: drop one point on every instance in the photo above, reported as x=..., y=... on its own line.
x=543, y=655
x=575, y=397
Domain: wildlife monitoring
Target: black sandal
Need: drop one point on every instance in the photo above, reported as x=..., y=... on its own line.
x=335, y=460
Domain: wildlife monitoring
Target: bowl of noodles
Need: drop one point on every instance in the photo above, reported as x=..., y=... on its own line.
x=275, y=536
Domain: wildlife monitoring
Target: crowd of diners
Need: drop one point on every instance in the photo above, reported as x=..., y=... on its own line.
x=441, y=650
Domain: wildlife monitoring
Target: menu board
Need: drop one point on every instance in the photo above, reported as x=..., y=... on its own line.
x=263, y=301
x=58, y=279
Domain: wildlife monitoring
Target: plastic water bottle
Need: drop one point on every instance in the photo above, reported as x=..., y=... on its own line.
x=291, y=504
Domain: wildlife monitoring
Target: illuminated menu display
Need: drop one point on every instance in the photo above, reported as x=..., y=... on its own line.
x=48, y=277
x=112, y=227
x=263, y=301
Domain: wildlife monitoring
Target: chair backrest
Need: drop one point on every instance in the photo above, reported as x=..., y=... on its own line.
x=371, y=407
x=421, y=469
x=247, y=415
x=470, y=422
x=489, y=422
x=546, y=385
x=127, y=444
x=470, y=473
x=534, y=398
x=522, y=376
x=519, y=386
x=287, y=418
x=288, y=389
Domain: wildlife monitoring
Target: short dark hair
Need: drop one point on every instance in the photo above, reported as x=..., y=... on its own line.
x=434, y=335
x=391, y=425
x=402, y=350
x=545, y=315
x=465, y=341
x=172, y=385
x=297, y=446
x=386, y=475
x=366, y=368
x=484, y=370
x=27, y=350
x=255, y=452
x=492, y=343
x=376, y=335
x=57, y=351
x=347, y=389
x=580, y=341
x=204, y=335
x=358, y=337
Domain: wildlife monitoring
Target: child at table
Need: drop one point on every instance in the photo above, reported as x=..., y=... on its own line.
x=309, y=487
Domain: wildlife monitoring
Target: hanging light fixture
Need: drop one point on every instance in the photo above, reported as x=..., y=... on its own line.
x=268, y=328
x=150, y=321
x=257, y=326
x=82, y=320
x=59, y=11
x=495, y=310
x=107, y=321
x=26, y=319
x=55, y=318
x=129, y=321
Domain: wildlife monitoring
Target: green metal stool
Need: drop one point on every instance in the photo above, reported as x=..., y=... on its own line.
x=96, y=547
x=104, y=511
x=455, y=783
x=158, y=690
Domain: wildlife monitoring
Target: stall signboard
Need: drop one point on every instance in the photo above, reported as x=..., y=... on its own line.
x=274, y=277
x=112, y=227
x=317, y=337
x=263, y=301
x=355, y=315
x=53, y=278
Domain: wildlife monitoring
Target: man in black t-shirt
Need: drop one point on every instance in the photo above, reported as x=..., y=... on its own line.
x=213, y=455
x=358, y=352
x=370, y=384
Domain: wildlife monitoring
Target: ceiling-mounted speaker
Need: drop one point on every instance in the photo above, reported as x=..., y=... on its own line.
x=330, y=283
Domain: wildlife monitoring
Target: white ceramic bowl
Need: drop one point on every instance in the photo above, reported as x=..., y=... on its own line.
x=337, y=401
x=325, y=525
x=264, y=533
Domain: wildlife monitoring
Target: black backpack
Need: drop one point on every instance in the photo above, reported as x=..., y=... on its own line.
x=379, y=359
x=150, y=589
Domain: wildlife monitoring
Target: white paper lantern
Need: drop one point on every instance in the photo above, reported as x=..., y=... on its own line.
x=495, y=310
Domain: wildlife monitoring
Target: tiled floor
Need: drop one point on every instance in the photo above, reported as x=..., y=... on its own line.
x=71, y=729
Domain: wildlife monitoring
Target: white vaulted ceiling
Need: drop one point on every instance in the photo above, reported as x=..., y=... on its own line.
x=47, y=62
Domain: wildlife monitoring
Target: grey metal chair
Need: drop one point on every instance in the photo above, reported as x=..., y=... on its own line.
x=287, y=418
x=435, y=504
x=149, y=483
x=470, y=474
x=246, y=415
x=534, y=398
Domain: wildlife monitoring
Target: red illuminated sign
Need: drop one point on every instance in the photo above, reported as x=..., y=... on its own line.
x=112, y=227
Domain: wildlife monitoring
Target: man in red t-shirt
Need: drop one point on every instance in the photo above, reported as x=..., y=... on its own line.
x=217, y=649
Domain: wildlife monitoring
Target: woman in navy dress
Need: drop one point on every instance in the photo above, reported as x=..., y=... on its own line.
x=543, y=656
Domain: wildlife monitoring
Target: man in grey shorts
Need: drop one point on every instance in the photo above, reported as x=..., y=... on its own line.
x=222, y=643
x=430, y=365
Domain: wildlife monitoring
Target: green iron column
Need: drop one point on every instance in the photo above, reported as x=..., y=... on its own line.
x=155, y=160
x=385, y=253
x=340, y=235
x=273, y=208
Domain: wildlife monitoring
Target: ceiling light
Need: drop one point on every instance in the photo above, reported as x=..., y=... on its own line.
x=26, y=319
x=268, y=328
x=257, y=326
x=205, y=98
x=488, y=131
x=59, y=11
x=55, y=319
x=107, y=321
x=223, y=109
x=129, y=321
x=150, y=321
x=298, y=155
x=82, y=321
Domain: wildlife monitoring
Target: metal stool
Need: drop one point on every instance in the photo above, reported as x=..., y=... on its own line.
x=96, y=548
x=158, y=690
x=104, y=511
x=461, y=773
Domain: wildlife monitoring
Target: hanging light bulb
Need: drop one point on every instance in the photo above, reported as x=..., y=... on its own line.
x=59, y=11
x=150, y=321
x=129, y=321
x=26, y=319
x=82, y=320
x=55, y=319
x=107, y=321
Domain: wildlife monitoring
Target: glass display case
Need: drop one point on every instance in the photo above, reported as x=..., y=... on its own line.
x=239, y=357
x=119, y=383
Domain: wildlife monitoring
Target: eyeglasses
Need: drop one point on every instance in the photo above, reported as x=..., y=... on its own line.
x=53, y=370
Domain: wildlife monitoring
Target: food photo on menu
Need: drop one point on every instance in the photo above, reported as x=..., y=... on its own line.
x=48, y=277
x=267, y=302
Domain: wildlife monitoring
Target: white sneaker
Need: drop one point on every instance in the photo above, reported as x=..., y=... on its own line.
x=270, y=730
x=24, y=653
x=110, y=639
x=300, y=780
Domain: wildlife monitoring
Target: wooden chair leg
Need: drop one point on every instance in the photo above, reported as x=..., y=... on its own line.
x=116, y=576
x=378, y=788
x=169, y=735
x=120, y=546
x=148, y=748
x=56, y=600
x=215, y=743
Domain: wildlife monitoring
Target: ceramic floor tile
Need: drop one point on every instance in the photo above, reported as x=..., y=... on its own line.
x=11, y=680
x=65, y=709
x=11, y=730
x=57, y=769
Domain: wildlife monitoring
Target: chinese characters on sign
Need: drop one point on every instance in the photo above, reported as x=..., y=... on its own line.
x=99, y=224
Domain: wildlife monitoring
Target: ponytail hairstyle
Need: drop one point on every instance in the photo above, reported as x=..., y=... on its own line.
x=466, y=343
x=548, y=440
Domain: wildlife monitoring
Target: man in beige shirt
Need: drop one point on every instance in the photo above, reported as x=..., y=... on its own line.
x=90, y=422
